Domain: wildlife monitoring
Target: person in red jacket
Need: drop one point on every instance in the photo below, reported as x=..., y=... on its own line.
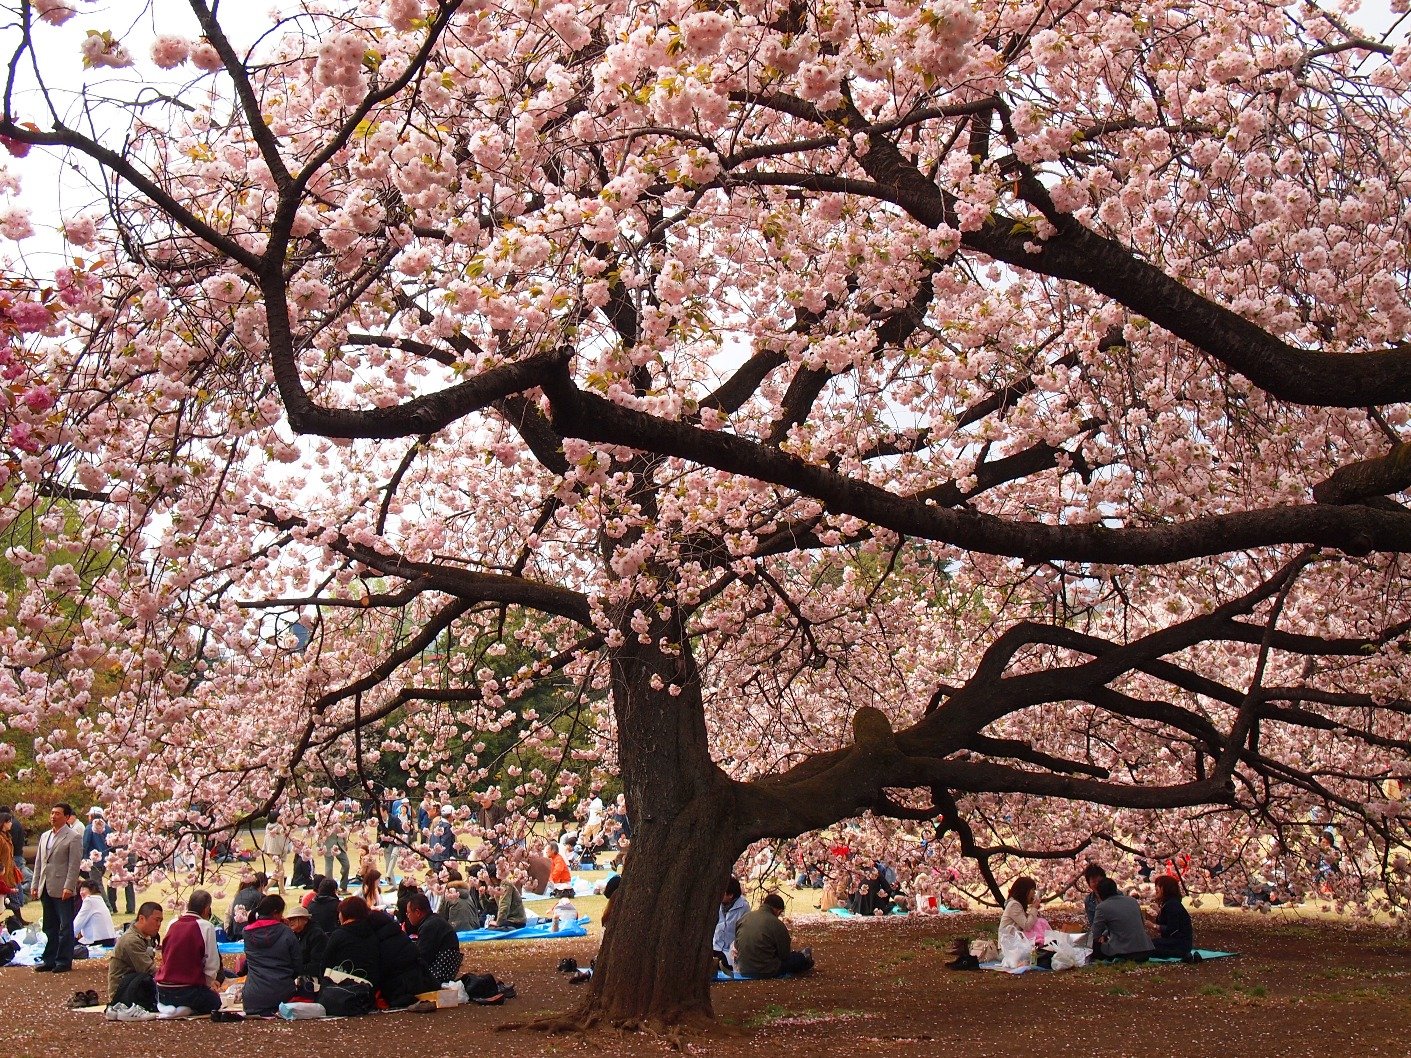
x=190, y=959
x=560, y=878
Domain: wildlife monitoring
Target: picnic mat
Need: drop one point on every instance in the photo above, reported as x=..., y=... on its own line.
x=1206, y=954
x=541, y=930
x=30, y=954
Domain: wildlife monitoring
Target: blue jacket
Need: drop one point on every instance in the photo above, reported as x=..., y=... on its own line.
x=93, y=841
x=725, y=923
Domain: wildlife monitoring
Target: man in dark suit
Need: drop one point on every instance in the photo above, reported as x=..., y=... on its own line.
x=55, y=885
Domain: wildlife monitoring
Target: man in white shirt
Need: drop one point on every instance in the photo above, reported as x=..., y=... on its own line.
x=55, y=885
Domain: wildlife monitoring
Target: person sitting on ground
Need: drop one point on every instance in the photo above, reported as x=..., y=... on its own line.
x=1175, y=935
x=406, y=888
x=323, y=909
x=93, y=925
x=1092, y=874
x=610, y=888
x=369, y=944
x=456, y=904
x=509, y=907
x=313, y=887
x=251, y=892
x=1118, y=931
x=875, y=894
x=560, y=877
x=352, y=947
x=273, y=958
x=190, y=959
x=313, y=941
x=134, y=955
x=537, y=868
x=733, y=907
x=371, y=880
x=563, y=915
x=435, y=939
x=762, y=943
x=1021, y=908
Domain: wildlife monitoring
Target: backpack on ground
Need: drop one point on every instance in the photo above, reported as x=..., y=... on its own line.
x=350, y=999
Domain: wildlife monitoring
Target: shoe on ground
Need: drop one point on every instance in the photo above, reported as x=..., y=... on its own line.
x=78, y=1001
x=63, y=968
x=44, y=968
x=568, y=966
x=422, y=1006
x=581, y=976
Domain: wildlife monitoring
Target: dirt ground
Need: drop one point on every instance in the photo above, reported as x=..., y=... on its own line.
x=1299, y=988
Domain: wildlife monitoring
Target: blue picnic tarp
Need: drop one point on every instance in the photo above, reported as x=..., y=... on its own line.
x=541, y=930
x=843, y=912
x=1206, y=954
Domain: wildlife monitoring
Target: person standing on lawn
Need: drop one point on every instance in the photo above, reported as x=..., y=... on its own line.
x=55, y=885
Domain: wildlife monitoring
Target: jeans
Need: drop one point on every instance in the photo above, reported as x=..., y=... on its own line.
x=199, y=998
x=58, y=930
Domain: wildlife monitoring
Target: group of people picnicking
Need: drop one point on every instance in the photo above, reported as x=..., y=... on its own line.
x=305, y=949
x=296, y=949
x=1117, y=926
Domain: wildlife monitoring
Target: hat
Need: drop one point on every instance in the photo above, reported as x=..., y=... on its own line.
x=565, y=905
x=94, y=811
x=298, y=911
x=448, y=810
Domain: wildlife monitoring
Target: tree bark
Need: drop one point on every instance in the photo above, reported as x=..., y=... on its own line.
x=654, y=968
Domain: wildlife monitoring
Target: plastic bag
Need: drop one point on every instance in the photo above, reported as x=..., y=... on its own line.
x=301, y=1011
x=984, y=950
x=1066, y=954
x=1016, y=950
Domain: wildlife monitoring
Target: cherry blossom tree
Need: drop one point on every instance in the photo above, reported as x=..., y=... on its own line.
x=979, y=413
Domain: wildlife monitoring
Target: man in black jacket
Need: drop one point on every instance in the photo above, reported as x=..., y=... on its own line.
x=371, y=945
x=435, y=939
x=323, y=908
x=313, y=941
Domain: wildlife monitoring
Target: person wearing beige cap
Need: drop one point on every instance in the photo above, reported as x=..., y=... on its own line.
x=313, y=941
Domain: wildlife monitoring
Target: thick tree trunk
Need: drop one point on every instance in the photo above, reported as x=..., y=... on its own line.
x=654, y=968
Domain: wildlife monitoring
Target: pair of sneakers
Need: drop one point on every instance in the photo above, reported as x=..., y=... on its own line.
x=129, y=1012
